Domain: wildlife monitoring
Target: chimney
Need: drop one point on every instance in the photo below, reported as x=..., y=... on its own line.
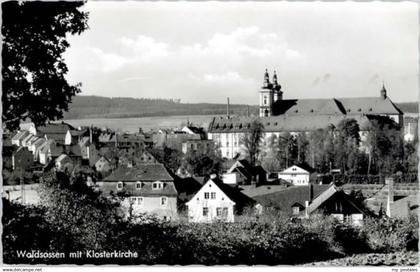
x=90, y=134
x=213, y=176
x=311, y=191
x=390, y=182
x=228, y=108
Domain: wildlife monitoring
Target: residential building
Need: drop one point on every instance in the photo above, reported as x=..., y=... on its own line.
x=146, y=188
x=298, y=175
x=103, y=165
x=22, y=158
x=64, y=163
x=241, y=173
x=217, y=201
x=201, y=146
x=302, y=201
x=19, y=136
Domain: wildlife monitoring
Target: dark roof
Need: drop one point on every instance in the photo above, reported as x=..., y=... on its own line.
x=283, y=123
x=187, y=187
x=306, y=167
x=249, y=171
x=142, y=172
x=284, y=199
x=334, y=106
x=234, y=193
x=20, y=135
x=55, y=128
x=129, y=189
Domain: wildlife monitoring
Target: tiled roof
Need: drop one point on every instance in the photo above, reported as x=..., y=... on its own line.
x=235, y=194
x=142, y=172
x=55, y=128
x=334, y=106
x=20, y=135
x=187, y=187
x=129, y=189
x=294, y=123
x=284, y=199
x=61, y=157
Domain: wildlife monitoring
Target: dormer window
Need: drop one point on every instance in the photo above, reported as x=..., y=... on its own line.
x=120, y=185
x=138, y=185
x=295, y=210
x=157, y=185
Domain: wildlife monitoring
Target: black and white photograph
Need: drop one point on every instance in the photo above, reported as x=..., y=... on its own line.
x=210, y=133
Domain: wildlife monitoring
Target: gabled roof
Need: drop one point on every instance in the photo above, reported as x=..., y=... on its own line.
x=55, y=128
x=300, y=169
x=233, y=193
x=142, y=172
x=336, y=106
x=284, y=199
x=129, y=189
x=62, y=157
x=187, y=187
x=20, y=135
x=283, y=123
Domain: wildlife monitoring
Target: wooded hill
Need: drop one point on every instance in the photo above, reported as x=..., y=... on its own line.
x=119, y=107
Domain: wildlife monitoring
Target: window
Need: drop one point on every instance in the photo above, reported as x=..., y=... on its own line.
x=119, y=185
x=295, y=210
x=163, y=201
x=205, y=211
x=138, y=185
x=140, y=200
x=206, y=195
x=213, y=195
x=227, y=144
x=225, y=212
x=218, y=211
x=133, y=200
x=157, y=185
x=265, y=100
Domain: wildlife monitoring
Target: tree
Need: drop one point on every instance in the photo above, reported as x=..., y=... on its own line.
x=202, y=164
x=252, y=141
x=34, y=84
x=347, y=145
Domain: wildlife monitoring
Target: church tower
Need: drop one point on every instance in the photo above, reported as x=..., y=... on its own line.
x=278, y=94
x=266, y=97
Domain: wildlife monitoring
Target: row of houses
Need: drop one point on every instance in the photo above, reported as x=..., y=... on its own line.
x=152, y=189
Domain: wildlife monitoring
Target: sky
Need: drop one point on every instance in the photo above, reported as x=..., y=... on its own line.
x=207, y=51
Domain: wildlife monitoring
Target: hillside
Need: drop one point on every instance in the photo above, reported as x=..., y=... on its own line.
x=105, y=107
x=408, y=107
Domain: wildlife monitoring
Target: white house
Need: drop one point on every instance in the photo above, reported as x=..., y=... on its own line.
x=297, y=175
x=63, y=162
x=216, y=201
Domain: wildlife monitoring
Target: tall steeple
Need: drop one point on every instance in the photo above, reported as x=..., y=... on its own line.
x=278, y=95
x=266, y=96
x=275, y=83
x=266, y=83
x=383, y=91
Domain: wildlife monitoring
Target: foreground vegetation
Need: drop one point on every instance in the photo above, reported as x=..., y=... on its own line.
x=78, y=218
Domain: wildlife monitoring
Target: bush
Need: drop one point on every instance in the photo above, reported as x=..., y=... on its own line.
x=392, y=234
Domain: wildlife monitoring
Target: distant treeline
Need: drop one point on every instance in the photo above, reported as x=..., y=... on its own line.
x=104, y=107
x=119, y=107
x=408, y=107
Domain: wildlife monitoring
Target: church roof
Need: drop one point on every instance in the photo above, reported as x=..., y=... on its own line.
x=336, y=106
x=292, y=123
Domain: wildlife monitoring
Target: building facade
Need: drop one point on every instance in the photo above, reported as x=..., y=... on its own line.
x=279, y=116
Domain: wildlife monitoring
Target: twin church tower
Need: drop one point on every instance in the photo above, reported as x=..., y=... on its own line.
x=269, y=94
